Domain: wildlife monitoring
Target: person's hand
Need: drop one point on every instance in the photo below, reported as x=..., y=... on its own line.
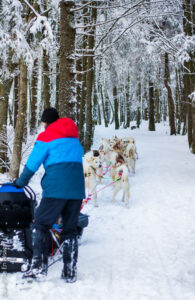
x=15, y=184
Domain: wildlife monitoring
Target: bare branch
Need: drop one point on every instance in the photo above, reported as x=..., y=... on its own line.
x=111, y=28
x=81, y=7
x=31, y=7
x=125, y=14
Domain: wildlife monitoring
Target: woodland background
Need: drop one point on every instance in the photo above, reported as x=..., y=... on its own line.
x=97, y=62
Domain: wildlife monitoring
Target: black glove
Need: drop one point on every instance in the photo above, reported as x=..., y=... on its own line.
x=15, y=184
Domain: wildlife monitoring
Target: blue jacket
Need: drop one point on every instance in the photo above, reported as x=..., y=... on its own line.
x=59, y=150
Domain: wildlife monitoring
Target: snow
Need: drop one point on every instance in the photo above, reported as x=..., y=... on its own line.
x=145, y=252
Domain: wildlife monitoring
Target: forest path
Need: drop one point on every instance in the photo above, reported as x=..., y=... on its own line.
x=145, y=252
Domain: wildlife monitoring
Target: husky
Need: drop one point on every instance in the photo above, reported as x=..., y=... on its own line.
x=121, y=180
x=92, y=166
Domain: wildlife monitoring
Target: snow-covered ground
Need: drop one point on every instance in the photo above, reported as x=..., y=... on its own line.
x=145, y=252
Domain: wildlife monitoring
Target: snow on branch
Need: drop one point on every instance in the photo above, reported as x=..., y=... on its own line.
x=81, y=7
x=31, y=7
x=125, y=14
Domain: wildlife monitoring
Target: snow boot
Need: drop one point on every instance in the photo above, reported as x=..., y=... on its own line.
x=38, y=268
x=44, y=265
x=70, y=255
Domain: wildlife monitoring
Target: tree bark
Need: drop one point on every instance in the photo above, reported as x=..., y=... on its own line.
x=46, y=80
x=193, y=128
x=138, y=117
x=103, y=106
x=19, y=129
x=116, y=118
x=157, y=101
x=170, y=97
x=127, y=104
x=16, y=97
x=151, y=107
x=67, y=103
x=189, y=68
x=78, y=87
x=4, y=95
x=95, y=102
x=90, y=82
x=84, y=82
x=33, y=104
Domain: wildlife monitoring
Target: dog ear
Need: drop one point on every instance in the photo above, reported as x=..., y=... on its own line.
x=96, y=153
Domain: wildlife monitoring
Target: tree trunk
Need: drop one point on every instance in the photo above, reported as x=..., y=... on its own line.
x=84, y=81
x=107, y=107
x=103, y=106
x=90, y=82
x=127, y=106
x=99, y=116
x=178, y=103
x=57, y=84
x=33, y=104
x=157, y=101
x=151, y=107
x=67, y=103
x=193, y=122
x=115, y=108
x=121, y=105
x=16, y=97
x=188, y=89
x=46, y=80
x=4, y=95
x=193, y=81
x=78, y=87
x=138, y=117
x=95, y=102
x=170, y=97
x=19, y=129
x=189, y=70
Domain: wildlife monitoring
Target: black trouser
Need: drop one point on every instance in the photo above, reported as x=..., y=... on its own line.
x=49, y=210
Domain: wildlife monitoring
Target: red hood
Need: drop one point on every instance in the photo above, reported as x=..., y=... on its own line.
x=63, y=127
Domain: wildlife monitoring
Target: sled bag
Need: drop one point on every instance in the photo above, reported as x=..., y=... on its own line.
x=16, y=209
x=15, y=249
x=83, y=220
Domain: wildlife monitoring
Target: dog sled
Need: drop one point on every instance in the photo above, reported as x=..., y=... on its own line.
x=17, y=207
x=16, y=215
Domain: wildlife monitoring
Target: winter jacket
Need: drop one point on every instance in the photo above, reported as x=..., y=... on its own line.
x=60, y=151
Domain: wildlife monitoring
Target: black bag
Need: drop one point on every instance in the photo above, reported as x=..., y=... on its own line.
x=16, y=216
x=16, y=208
x=83, y=221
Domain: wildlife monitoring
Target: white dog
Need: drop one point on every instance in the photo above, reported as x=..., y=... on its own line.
x=130, y=156
x=92, y=170
x=121, y=182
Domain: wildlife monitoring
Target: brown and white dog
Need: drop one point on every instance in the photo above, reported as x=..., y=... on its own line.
x=130, y=140
x=92, y=166
x=130, y=156
x=121, y=180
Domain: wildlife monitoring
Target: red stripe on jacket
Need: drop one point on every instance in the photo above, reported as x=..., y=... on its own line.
x=63, y=127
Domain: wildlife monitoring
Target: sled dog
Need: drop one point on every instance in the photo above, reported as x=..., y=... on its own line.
x=121, y=179
x=92, y=166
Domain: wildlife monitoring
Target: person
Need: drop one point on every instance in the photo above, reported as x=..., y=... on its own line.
x=59, y=150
